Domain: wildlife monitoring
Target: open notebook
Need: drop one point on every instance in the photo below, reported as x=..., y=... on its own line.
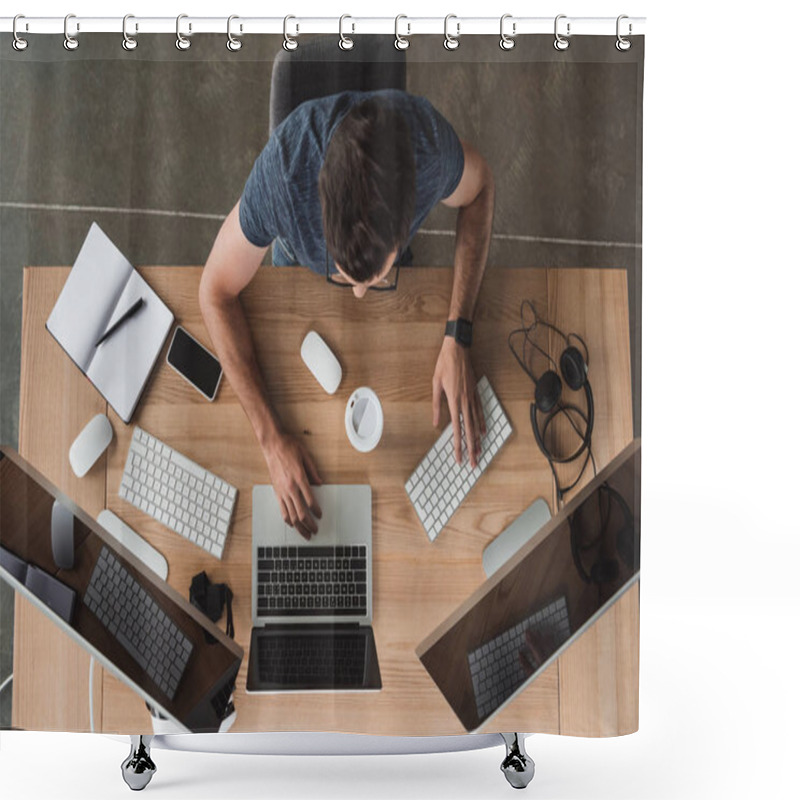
x=101, y=286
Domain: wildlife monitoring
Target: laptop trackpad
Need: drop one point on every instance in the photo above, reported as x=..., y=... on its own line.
x=346, y=517
x=330, y=503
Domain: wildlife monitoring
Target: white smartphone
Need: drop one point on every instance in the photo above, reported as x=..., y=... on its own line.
x=194, y=363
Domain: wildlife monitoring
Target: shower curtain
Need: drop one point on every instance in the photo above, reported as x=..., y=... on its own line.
x=461, y=229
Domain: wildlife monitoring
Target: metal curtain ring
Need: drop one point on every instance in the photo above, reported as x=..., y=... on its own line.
x=234, y=43
x=345, y=42
x=289, y=42
x=128, y=42
x=70, y=42
x=451, y=42
x=622, y=43
x=181, y=42
x=18, y=43
x=507, y=42
x=561, y=43
x=400, y=42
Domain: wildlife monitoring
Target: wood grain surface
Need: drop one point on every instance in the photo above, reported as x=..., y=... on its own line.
x=390, y=342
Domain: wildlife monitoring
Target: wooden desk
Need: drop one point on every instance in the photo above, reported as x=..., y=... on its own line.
x=388, y=341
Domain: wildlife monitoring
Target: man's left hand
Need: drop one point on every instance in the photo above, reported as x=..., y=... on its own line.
x=454, y=377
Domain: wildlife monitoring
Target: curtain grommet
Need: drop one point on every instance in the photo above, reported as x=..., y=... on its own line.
x=451, y=42
x=18, y=43
x=507, y=40
x=561, y=43
x=234, y=43
x=70, y=42
x=401, y=42
x=181, y=41
x=128, y=42
x=289, y=42
x=345, y=42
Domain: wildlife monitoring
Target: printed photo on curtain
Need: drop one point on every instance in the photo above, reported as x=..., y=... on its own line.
x=246, y=293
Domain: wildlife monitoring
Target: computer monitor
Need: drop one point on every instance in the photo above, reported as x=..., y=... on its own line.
x=199, y=702
x=529, y=611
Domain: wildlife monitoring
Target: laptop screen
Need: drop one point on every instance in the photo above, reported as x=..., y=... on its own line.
x=532, y=608
x=194, y=688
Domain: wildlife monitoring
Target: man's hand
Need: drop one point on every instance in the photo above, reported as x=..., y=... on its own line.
x=293, y=472
x=454, y=376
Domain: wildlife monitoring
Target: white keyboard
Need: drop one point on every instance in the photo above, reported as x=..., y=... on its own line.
x=178, y=493
x=438, y=484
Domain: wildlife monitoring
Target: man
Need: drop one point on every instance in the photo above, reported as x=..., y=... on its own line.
x=341, y=187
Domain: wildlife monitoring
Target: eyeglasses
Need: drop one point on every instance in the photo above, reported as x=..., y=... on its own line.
x=388, y=283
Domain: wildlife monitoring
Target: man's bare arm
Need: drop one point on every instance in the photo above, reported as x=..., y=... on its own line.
x=474, y=198
x=231, y=265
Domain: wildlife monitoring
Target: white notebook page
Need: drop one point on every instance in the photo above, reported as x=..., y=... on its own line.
x=93, y=288
x=123, y=361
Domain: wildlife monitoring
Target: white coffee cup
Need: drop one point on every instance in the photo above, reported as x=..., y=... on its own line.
x=363, y=419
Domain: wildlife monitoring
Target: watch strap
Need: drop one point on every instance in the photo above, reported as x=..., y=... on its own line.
x=460, y=329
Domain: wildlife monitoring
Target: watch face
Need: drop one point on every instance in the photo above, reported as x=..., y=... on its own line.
x=461, y=330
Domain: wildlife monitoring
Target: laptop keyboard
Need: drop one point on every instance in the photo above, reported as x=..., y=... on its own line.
x=310, y=581
x=299, y=660
x=496, y=667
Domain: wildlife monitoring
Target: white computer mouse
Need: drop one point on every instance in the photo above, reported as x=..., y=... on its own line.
x=323, y=364
x=90, y=444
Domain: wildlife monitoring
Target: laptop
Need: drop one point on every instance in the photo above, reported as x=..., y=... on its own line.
x=312, y=600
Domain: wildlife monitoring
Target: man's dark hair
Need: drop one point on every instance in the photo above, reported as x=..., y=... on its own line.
x=367, y=189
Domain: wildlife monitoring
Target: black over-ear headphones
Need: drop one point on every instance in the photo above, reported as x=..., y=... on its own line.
x=604, y=569
x=548, y=403
x=547, y=396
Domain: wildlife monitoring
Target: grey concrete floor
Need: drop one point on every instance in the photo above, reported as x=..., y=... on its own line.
x=116, y=137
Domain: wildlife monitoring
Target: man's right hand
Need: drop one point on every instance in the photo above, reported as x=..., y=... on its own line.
x=232, y=264
x=293, y=473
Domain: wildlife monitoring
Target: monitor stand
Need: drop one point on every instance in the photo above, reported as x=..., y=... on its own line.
x=520, y=531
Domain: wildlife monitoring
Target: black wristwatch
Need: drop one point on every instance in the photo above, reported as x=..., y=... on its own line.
x=460, y=329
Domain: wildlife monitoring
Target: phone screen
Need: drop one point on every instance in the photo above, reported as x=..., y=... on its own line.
x=195, y=363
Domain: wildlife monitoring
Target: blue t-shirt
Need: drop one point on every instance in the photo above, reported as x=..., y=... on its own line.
x=281, y=196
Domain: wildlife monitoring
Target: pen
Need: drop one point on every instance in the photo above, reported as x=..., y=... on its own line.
x=124, y=318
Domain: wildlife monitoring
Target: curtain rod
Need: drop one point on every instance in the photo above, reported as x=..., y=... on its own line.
x=453, y=26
